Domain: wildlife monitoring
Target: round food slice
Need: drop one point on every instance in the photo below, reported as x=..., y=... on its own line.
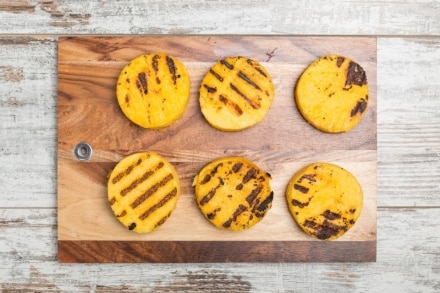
x=332, y=94
x=236, y=93
x=233, y=193
x=143, y=190
x=153, y=90
x=325, y=200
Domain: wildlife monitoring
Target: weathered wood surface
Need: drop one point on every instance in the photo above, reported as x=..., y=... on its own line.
x=408, y=143
x=212, y=17
x=281, y=144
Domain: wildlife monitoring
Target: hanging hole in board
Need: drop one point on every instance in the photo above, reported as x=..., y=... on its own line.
x=83, y=151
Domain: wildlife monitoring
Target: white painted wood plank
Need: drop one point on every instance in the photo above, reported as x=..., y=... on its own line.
x=357, y=17
x=408, y=260
x=408, y=78
x=221, y=17
x=408, y=121
x=28, y=95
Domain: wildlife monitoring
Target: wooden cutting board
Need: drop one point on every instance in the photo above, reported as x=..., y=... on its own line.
x=281, y=144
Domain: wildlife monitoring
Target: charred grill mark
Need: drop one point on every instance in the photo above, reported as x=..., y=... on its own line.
x=265, y=204
x=218, y=76
x=310, y=224
x=139, y=86
x=231, y=105
x=238, y=109
x=300, y=188
x=239, y=186
x=359, y=108
x=223, y=99
x=352, y=211
x=299, y=204
x=112, y=201
x=123, y=214
x=138, y=181
x=308, y=177
x=206, y=179
x=160, y=204
x=237, y=167
x=256, y=67
x=355, y=75
x=215, y=170
x=155, y=63
x=325, y=230
x=117, y=178
x=329, y=215
x=127, y=171
x=339, y=61
x=261, y=71
x=249, y=175
x=237, y=212
x=127, y=99
x=209, y=196
x=151, y=191
x=253, y=195
x=227, y=64
x=212, y=214
x=210, y=89
x=143, y=87
x=162, y=221
x=172, y=68
x=248, y=100
x=248, y=80
x=132, y=226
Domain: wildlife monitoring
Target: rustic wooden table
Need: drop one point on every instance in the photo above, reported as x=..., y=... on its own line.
x=408, y=119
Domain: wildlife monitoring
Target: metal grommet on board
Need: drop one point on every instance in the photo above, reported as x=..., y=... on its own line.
x=83, y=151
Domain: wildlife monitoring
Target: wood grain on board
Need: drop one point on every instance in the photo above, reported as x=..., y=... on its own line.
x=281, y=144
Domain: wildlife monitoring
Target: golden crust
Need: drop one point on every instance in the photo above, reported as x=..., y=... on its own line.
x=153, y=90
x=143, y=190
x=325, y=200
x=233, y=193
x=236, y=93
x=332, y=94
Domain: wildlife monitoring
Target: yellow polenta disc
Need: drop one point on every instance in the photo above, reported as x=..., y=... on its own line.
x=153, y=90
x=325, y=200
x=332, y=94
x=236, y=93
x=143, y=190
x=233, y=193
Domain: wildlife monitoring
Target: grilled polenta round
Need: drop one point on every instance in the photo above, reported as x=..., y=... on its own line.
x=236, y=93
x=143, y=190
x=233, y=193
x=332, y=94
x=153, y=90
x=325, y=200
